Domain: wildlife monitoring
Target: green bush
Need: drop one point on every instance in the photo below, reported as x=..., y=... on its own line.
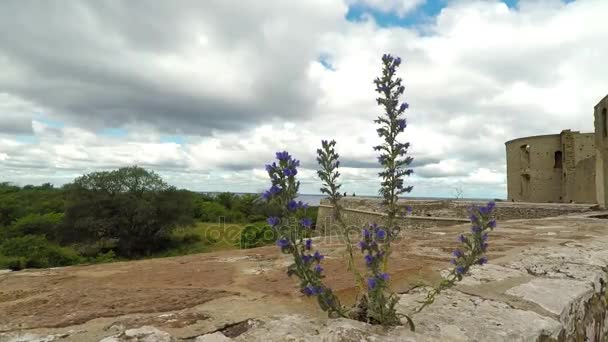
x=34, y=224
x=38, y=252
x=102, y=258
x=256, y=236
x=131, y=205
x=12, y=263
x=214, y=212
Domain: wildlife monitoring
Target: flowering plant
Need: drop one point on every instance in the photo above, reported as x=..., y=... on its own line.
x=377, y=303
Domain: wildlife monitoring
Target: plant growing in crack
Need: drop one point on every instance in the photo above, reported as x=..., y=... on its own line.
x=291, y=231
x=376, y=303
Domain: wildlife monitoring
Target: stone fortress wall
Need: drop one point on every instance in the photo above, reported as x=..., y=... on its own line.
x=556, y=168
x=560, y=168
x=601, y=148
x=360, y=211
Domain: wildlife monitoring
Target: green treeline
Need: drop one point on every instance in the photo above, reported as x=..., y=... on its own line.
x=119, y=215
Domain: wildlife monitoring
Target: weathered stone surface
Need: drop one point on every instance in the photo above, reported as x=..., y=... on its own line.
x=29, y=337
x=143, y=334
x=215, y=337
x=554, y=295
x=456, y=316
x=301, y=329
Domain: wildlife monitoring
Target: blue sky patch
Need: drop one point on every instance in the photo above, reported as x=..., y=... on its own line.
x=27, y=139
x=114, y=132
x=422, y=14
x=177, y=139
x=50, y=123
x=325, y=61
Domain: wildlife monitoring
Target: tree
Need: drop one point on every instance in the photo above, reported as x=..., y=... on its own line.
x=131, y=206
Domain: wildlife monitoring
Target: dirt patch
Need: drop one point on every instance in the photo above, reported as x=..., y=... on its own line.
x=66, y=307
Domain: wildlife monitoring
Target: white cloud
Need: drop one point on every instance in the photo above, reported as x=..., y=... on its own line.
x=400, y=7
x=480, y=74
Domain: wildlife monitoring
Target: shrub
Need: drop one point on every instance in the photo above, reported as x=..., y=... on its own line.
x=38, y=252
x=35, y=224
x=12, y=263
x=102, y=258
x=132, y=206
x=215, y=212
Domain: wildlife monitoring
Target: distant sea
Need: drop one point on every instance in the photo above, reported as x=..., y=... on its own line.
x=315, y=199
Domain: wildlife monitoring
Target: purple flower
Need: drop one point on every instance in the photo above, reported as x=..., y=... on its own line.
x=269, y=167
x=462, y=238
x=311, y=290
x=317, y=256
x=302, y=205
x=292, y=205
x=484, y=246
x=306, y=222
x=453, y=261
x=318, y=269
x=381, y=234
x=401, y=124
x=371, y=283
x=409, y=209
x=290, y=172
x=308, y=244
x=457, y=253
x=475, y=229
x=397, y=61
x=369, y=259
x=283, y=243
x=273, y=221
x=266, y=195
x=473, y=218
x=484, y=237
x=492, y=224
x=491, y=206
x=460, y=270
x=282, y=156
x=366, y=233
x=306, y=258
x=363, y=245
x=404, y=106
x=384, y=276
x=482, y=260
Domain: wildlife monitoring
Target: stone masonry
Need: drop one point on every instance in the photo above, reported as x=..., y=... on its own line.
x=560, y=168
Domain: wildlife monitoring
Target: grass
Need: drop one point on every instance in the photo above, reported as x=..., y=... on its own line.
x=204, y=237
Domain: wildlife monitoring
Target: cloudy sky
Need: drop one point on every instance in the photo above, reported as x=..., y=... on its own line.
x=204, y=92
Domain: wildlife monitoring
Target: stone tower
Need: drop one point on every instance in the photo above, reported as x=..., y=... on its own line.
x=601, y=146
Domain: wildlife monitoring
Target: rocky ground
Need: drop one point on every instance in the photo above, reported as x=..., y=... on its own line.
x=538, y=269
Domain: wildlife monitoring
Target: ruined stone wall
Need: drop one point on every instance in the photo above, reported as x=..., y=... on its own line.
x=557, y=168
x=578, y=177
x=359, y=211
x=531, y=172
x=601, y=143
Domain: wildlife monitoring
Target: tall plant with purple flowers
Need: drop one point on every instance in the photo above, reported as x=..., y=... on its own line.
x=291, y=231
x=376, y=303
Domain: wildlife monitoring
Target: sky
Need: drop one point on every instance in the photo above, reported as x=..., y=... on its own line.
x=205, y=92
